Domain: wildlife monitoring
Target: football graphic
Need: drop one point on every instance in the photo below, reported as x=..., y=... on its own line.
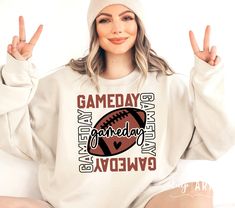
x=123, y=121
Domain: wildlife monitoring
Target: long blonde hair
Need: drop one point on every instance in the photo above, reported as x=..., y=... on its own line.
x=144, y=57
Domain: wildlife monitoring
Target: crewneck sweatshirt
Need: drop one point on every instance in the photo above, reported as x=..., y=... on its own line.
x=104, y=148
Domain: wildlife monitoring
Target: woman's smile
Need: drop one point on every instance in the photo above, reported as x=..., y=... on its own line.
x=117, y=41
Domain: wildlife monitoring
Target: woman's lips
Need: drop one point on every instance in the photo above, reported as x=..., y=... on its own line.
x=117, y=40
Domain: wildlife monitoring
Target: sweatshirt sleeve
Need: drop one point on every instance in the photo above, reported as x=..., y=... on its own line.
x=214, y=131
x=17, y=84
x=18, y=87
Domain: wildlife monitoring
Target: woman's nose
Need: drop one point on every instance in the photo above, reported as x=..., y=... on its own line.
x=117, y=27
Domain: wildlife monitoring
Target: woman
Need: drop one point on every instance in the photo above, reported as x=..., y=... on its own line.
x=109, y=129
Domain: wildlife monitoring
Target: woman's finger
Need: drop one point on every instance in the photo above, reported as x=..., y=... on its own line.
x=211, y=62
x=14, y=49
x=15, y=42
x=213, y=53
x=193, y=42
x=36, y=35
x=217, y=60
x=22, y=34
x=206, y=42
x=9, y=48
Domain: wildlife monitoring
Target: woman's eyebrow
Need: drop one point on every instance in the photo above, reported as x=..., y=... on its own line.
x=110, y=15
x=125, y=12
x=106, y=14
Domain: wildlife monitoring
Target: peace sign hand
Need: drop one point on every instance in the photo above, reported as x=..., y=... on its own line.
x=207, y=54
x=19, y=48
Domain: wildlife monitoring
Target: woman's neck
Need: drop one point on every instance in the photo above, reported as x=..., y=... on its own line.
x=117, y=66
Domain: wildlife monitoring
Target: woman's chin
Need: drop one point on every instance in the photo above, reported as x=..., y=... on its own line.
x=118, y=51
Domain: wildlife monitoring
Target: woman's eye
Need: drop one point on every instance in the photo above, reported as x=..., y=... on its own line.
x=127, y=18
x=103, y=21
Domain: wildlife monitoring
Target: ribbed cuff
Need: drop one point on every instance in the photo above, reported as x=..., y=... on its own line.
x=201, y=67
x=18, y=73
x=15, y=66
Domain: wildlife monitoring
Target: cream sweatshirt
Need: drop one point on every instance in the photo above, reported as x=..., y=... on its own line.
x=102, y=149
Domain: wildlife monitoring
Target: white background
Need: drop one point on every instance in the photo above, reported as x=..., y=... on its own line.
x=65, y=36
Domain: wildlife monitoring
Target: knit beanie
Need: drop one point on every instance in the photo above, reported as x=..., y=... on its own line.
x=97, y=5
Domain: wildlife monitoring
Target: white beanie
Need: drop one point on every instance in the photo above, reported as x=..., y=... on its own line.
x=97, y=5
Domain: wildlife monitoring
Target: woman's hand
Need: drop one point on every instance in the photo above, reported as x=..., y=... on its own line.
x=20, y=49
x=207, y=54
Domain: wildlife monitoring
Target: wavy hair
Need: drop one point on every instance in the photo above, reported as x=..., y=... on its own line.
x=144, y=57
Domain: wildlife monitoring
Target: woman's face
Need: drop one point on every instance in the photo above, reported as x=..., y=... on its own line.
x=116, y=28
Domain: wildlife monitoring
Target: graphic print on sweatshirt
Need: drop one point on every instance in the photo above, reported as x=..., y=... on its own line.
x=129, y=123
